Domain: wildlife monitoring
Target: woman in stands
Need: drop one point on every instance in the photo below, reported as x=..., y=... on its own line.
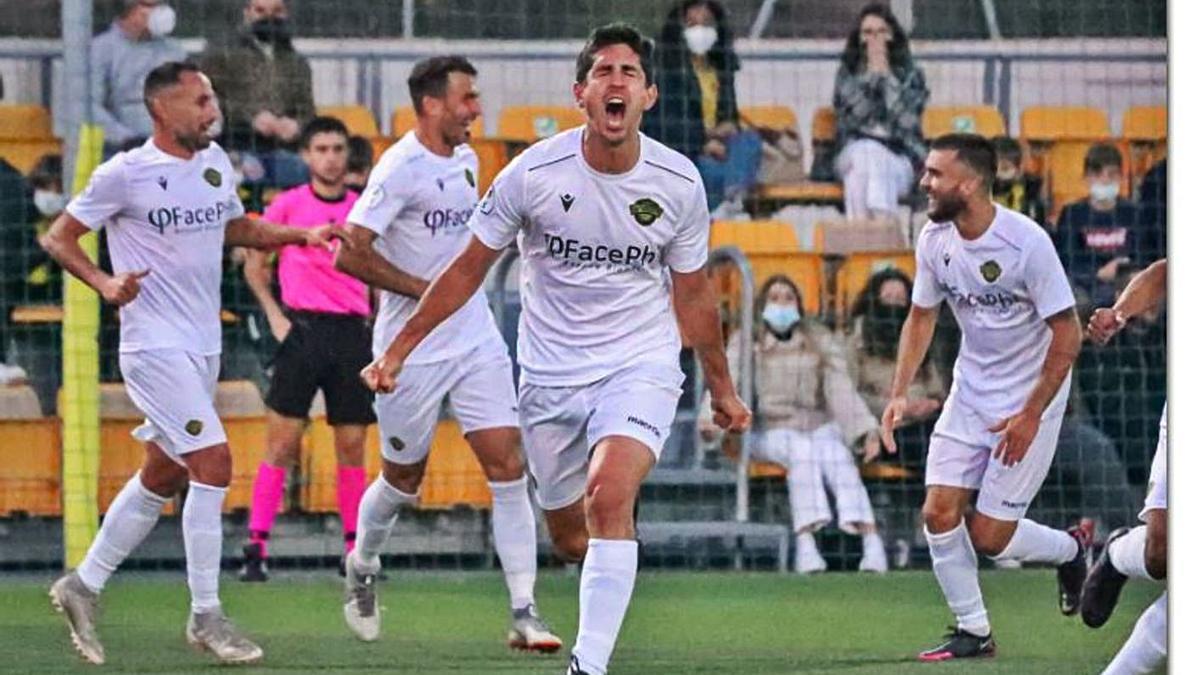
x=879, y=96
x=808, y=415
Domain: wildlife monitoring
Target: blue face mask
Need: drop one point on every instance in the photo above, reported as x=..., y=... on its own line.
x=780, y=317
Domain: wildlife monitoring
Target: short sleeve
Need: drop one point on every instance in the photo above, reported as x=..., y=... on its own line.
x=277, y=211
x=926, y=292
x=688, y=251
x=1049, y=289
x=382, y=200
x=498, y=216
x=104, y=196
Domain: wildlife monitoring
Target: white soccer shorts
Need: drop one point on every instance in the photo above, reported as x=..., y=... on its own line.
x=960, y=455
x=561, y=425
x=1156, y=489
x=480, y=385
x=174, y=390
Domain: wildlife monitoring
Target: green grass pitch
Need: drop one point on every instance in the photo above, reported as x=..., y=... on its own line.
x=679, y=622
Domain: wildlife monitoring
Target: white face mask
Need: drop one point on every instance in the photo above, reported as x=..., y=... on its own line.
x=161, y=22
x=700, y=39
x=48, y=202
x=1104, y=192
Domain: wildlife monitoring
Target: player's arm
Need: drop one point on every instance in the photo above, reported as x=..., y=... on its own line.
x=62, y=243
x=258, y=272
x=358, y=258
x=1144, y=291
x=915, y=338
x=258, y=233
x=449, y=291
x=696, y=309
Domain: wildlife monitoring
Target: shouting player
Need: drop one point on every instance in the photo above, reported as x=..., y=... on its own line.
x=612, y=228
x=996, y=437
x=410, y=223
x=169, y=206
x=1141, y=552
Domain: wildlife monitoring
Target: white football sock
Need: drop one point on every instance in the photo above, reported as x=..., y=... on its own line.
x=515, y=534
x=957, y=572
x=605, y=586
x=377, y=514
x=130, y=518
x=202, y=544
x=1146, y=648
x=1034, y=542
x=1128, y=554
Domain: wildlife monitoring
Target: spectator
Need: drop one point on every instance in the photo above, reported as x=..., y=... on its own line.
x=697, y=111
x=359, y=159
x=1099, y=237
x=878, y=315
x=808, y=414
x=121, y=57
x=1014, y=189
x=18, y=246
x=265, y=88
x=1152, y=210
x=43, y=278
x=879, y=96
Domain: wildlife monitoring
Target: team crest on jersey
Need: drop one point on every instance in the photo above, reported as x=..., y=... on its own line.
x=645, y=211
x=990, y=270
x=194, y=427
x=212, y=177
x=469, y=176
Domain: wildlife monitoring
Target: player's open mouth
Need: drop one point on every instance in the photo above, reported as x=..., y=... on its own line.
x=614, y=112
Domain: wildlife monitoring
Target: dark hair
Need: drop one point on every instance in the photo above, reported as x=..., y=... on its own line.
x=1101, y=155
x=163, y=76
x=48, y=171
x=431, y=76
x=761, y=300
x=899, y=56
x=868, y=297
x=322, y=125
x=673, y=52
x=615, y=34
x=1007, y=148
x=973, y=150
x=360, y=154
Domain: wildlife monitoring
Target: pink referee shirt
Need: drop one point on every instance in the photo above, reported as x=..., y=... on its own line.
x=307, y=276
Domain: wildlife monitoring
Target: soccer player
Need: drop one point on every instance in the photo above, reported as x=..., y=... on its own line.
x=998, y=430
x=410, y=223
x=169, y=205
x=612, y=228
x=1142, y=551
x=324, y=341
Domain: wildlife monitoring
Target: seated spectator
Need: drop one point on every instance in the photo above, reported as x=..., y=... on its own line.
x=878, y=315
x=879, y=96
x=18, y=244
x=43, y=278
x=1014, y=189
x=1100, y=237
x=808, y=415
x=1152, y=210
x=360, y=156
x=121, y=57
x=697, y=111
x=265, y=89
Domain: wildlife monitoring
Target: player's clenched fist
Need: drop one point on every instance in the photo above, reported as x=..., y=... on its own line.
x=380, y=374
x=730, y=413
x=122, y=288
x=324, y=235
x=1104, y=324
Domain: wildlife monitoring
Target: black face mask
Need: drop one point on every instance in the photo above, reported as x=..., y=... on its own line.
x=356, y=188
x=272, y=30
x=881, y=329
x=1003, y=186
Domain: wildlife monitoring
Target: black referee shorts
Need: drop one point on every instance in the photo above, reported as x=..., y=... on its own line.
x=326, y=352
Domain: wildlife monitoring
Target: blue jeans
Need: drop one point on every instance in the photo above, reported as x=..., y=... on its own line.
x=281, y=169
x=737, y=173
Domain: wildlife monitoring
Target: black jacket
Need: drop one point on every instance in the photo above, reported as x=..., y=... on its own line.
x=677, y=120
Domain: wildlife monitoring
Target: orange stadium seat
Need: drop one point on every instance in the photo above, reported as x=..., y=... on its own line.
x=1066, y=123
x=404, y=118
x=26, y=135
x=824, y=125
x=984, y=120
x=357, y=118
x=778, y=117
x=534, y=122
x=824, y=131
x=1064, y=172
x=30, y=455
x=772, y=248
x=857, y=268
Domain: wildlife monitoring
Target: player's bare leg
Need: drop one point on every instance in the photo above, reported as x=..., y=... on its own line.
x=130, y=518
x=283, y=449
x=349, y=444
x=515, y=533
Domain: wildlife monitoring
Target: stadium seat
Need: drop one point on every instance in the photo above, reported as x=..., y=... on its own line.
x=1064, y=174
x=772, y=248
x=19, y=402
x=493, y=154
x=1048, y=124
x=1144, y=131
x=856, y=271
x=824, y=125
x=778, y=117
x=534, y=122
x=26, y=135
x=30, y=465
x=404, y=118
x=984, y=120
x=357, y=118
x=824, y=132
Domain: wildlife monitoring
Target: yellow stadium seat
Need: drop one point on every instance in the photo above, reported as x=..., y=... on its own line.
x=535, y=122
x=857, y=269
x=824, y=125
x=984, y=120
x=778, y=117
x=772, y=248
x=24, y=153
x=804, y=192
x=1145, y=123
x=404, y=118
x=25, y=122
x=493, y=154
x=1066, y=123
x=30, y=467
x=1064, y=172
x=357, y=118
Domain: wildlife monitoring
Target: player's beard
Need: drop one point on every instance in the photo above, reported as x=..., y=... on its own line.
x=948, y=208
x=195, y=142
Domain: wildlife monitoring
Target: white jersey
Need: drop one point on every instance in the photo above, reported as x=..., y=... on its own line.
x=166, y=215
x=596, y=249
x=1002, y=287
x=418, y=203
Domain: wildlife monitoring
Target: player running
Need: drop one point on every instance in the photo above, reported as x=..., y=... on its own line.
x=613, y=233
x=1141, y=552
x=169, y=206
x=998, y=430
x=409, y=225
x=324, y=340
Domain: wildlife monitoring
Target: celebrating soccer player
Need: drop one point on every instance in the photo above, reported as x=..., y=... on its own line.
x=610, y=225
x=998, y=430
x=169, y=206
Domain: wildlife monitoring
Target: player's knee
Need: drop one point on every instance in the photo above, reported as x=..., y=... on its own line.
x=508, y=467
x=939, y=517
x=1156, y=557
x=989, y=537
x=570, y=547
x=281, y=455
x=210, y=466
x=404, y=477
x=609, y=511
x=165, y=480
